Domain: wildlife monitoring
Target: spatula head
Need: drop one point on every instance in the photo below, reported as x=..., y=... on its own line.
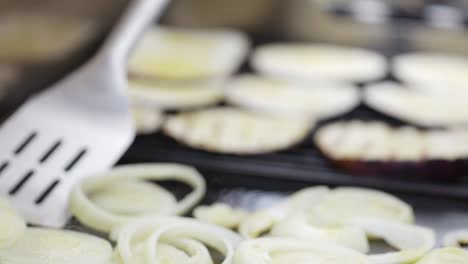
x=53, y=141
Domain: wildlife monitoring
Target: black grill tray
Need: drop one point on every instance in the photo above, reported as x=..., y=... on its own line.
x=292, y=168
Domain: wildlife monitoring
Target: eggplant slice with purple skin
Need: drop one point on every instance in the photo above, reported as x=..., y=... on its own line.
x=375, y=148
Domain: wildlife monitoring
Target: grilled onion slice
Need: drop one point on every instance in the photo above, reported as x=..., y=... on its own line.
x=290, y=98
x=433, y=72
x=294, y=251
x=234, y=131
x=446, y=256
x=120, y=204
x=12, y=225
x=346, y=203
x=311, y=62
x=413, y=242
x=48, y=246
x=416, y=107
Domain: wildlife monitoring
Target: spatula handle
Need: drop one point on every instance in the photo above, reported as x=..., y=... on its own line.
x=138, y=16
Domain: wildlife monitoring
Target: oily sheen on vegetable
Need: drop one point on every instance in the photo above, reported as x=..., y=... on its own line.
x=103, y=201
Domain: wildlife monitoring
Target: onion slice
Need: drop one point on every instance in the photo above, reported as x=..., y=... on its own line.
x=456, y=238
x=235, y=131
x=447, y=255
x=288, y=250
x=12, y=225
x=176, y=95
x=346, y=203
x=98, y=218
x=150, y=231
x=312, y=62
x=301, y=201
x=417, y=107
x=318, y=100
x=220, y=214
x=298, y=226
x=411, y=241
x=49, y=246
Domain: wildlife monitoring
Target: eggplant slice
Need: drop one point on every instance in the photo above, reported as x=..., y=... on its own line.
x=321, y=100
x=235, y=131
x=311, y=62
x=432, y=72
x=422, y=109
x=374, y=148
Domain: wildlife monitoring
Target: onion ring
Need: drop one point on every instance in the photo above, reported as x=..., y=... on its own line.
x=91, y=215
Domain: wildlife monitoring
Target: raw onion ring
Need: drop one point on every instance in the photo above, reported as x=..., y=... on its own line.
x=151, y=230
x=413, y=242
x=91, y=215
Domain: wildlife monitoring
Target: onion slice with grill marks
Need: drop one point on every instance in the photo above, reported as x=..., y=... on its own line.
x=235, y=131
x=299, y=226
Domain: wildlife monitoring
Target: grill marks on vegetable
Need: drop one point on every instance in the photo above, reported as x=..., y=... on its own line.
x=45, y=156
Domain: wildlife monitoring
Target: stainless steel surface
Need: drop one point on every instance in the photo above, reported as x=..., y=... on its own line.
x=80, y=126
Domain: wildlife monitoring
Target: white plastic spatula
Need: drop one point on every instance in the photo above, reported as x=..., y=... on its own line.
x=79, y=126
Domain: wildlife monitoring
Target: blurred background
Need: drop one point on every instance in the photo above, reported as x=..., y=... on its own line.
x=388, y=26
